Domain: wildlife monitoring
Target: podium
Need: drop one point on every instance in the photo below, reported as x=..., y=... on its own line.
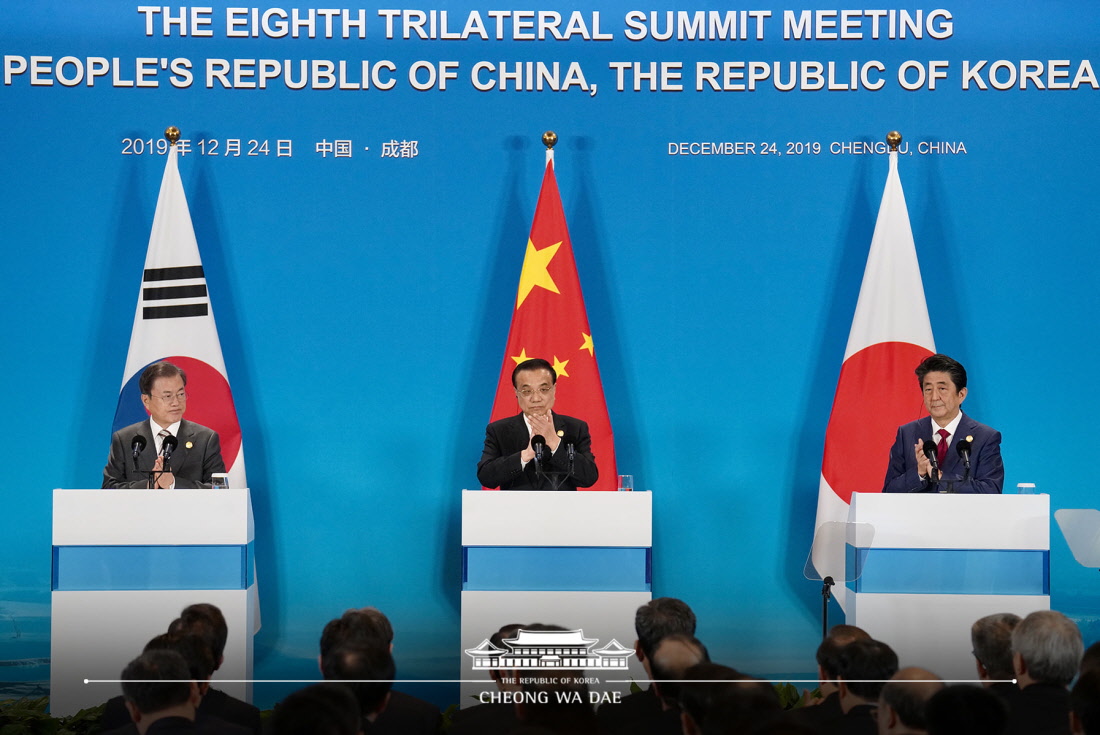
x=125, y=563
x=581, y=560
x=936, y=563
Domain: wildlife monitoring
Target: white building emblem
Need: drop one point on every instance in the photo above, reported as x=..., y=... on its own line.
x=549, y=649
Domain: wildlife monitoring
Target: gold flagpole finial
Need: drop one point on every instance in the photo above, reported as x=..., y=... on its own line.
x=172, y=133
x=549, y=139
x=893, y=139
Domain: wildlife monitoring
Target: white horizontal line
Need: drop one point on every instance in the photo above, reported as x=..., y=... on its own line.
x=546, y=673
x=292, y=681
x=805, y=681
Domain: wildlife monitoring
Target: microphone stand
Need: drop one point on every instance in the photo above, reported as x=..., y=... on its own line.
x=148, y=473
x=826, y=593
x=557, y=478
x=930, y=452
x=155, y=475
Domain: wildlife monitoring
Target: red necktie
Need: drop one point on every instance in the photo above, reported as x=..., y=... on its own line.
x=941, y=448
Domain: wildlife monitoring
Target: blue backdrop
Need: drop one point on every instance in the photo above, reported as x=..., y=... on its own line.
x=363, y=300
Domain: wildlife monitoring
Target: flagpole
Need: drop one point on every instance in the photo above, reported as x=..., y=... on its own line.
x=893, y=139
x=890, y=333
x=549, y=139
x=172, y=133
x=549, y=321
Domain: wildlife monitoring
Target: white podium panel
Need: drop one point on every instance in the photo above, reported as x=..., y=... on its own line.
x=936, y=563
x=125, y=563
x=548, y=518
x=938, y=521
x=933, y=631
x=581, y=560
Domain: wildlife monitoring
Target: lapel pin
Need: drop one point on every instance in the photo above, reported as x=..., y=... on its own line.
x=969, y=438
x=188, y=445
x=561, y=432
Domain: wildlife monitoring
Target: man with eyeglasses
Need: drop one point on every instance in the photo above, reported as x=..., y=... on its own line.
x=197, y=454
x=508, y=460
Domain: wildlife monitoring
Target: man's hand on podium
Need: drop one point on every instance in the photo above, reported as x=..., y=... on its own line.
x=162, y=479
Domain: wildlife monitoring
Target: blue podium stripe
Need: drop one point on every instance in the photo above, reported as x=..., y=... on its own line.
x=949, y=571
x=113, y=568
x=557, y=568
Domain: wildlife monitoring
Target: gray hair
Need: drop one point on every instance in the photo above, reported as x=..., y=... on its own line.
x=1051, y=646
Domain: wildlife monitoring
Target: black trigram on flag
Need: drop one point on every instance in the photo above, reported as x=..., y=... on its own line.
x=184, y=286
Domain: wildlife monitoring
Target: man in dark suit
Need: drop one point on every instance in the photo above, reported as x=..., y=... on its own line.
x=215, y=706
x=863, y=669
x=819, y=714
x=903, y=701
x=162, y=697
x=943, y=381
x=719, y=699
x=197, y=455
x=1084, y=705
x=991, y=639
x=1046, y=651
x=643, y=711
x=963, y=709
x=361, y=639
x=496, y=716
x=328, y=708
x=208, y=622
x=508, y=460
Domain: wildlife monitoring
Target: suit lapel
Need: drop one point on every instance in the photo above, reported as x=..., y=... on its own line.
x=559, y=426
x=518, y=434
x=182, y=451
x=953, y=462
x=148, y=455
x=925, y=432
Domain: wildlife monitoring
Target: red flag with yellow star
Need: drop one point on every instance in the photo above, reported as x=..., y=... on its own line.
x=550, y=322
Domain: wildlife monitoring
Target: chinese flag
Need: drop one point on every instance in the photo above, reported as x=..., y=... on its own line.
x=550, y=322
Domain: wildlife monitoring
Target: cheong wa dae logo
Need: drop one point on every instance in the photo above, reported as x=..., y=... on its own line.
x=549, y=649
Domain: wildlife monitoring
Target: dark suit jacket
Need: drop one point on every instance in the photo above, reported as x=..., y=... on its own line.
x=987, y=472
x=163, y=726
x=860, y=720
x=820, y=715
x=224, y=706
x=1040, y=709
x=197, y=456
x=506, y=438
x=183, y=726
x=215, y=703
x=639, y=713
x=405, y=715
x=1006, y=690
x=493, y=718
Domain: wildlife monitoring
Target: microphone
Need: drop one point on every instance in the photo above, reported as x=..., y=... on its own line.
x=930, y=452
x=570, y=453
x=963, y=448
x=137, y=446
x=538, y=443
x=169, y=445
